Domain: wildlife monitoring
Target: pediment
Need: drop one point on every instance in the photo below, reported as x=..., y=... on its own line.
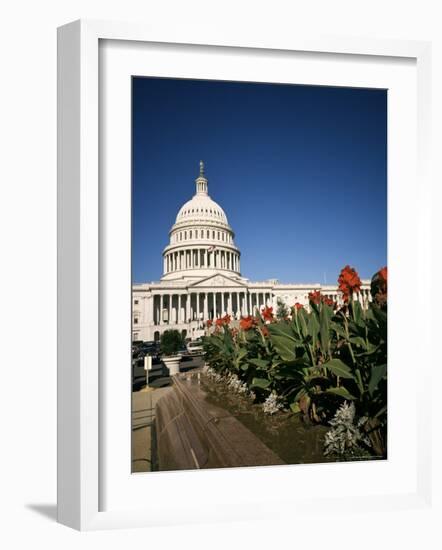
x=218, y=280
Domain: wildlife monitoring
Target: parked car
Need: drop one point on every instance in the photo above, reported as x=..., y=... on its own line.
x=195, y=347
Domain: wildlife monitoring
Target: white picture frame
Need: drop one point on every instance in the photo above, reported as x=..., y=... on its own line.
x=80, y=443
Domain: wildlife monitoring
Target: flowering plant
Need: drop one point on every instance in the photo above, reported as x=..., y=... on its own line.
x=267, y=313
x=223, y=321
x=247, y=323
x=379, y=287
x=349, y=283
x=317, y=359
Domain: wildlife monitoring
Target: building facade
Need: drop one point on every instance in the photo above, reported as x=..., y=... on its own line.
x=202, y=276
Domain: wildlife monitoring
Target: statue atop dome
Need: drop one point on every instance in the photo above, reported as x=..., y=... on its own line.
x=201, y=169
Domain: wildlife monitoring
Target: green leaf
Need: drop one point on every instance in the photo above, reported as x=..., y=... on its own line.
x=338, y=368
x=313, y=327
x=295, y=407
x=377, y=373
x=340, y=331
x=260, y=363
x=302, y=316
x=342, y=392
x=324, y=330
x=358, y=341
x=357, y=312
x=282, y=329
x=284, y=347
x=262, y=383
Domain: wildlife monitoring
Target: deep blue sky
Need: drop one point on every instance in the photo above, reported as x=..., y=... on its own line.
x=299, y=170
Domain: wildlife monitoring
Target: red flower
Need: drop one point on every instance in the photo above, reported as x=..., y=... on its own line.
x=265, y=331
x=267, y=313
x=315, y=297
x=327, y=301
x=209, y=323
x=379, y=287
x=298, y=306
x=223, y=321
x=349, y=282
x=246, y=323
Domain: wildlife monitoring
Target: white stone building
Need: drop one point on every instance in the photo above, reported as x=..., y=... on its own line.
x=202, y=277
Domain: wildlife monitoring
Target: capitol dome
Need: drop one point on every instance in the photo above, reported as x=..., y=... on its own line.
x=201, y=239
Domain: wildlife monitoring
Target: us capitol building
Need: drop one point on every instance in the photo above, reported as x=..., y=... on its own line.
x=202, y=276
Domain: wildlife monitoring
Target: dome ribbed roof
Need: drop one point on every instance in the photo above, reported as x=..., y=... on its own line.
x=201, y=207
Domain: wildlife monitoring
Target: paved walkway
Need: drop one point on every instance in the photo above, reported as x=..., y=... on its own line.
x=143, y=418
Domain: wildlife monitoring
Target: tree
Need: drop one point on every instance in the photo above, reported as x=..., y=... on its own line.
x=282, y=311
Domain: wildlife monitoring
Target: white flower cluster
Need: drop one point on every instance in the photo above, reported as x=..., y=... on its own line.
x=345, y=437
x=272, y=404
x=216, y=377
x=232, y=382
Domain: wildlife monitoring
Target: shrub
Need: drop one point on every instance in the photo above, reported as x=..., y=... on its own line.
x=171, y=342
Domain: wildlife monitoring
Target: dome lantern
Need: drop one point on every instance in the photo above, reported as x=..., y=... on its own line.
x=201, y=181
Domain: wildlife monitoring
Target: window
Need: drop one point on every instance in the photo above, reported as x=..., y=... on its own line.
x=136, y=302
x=135, y=320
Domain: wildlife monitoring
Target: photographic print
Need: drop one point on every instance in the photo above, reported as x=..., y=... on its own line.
x=259, y=274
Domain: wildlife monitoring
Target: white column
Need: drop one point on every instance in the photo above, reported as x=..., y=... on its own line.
x=197, y=306
x=161, y=320
x=187, y=310
x=170, y=309
x=238, y=299
x=206, y=306
x=230, y=304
